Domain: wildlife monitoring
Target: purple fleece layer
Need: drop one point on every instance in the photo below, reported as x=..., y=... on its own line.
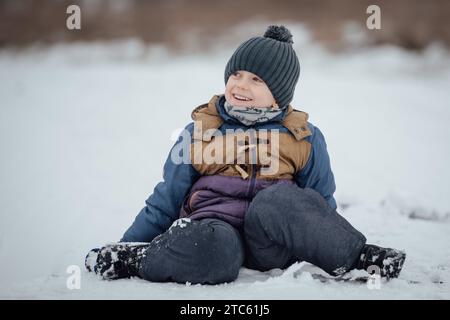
x=223, y=197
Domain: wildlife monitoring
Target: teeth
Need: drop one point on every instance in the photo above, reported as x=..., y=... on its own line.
x=241, y=97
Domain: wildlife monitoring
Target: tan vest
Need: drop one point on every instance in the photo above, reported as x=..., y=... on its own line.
x=275, y=155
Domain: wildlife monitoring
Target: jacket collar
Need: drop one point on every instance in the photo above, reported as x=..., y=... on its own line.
x=212, y=116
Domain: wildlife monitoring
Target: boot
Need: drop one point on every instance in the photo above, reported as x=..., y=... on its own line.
x=390, y=261
x=117, y=260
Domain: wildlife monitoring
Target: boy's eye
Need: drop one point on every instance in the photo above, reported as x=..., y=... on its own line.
x=236, y=73
x=257, y=79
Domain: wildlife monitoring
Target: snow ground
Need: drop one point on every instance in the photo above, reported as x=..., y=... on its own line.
x=85, y=128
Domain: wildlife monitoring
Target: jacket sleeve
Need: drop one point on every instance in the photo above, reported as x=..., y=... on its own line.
x=163, y=206
x=317, y=173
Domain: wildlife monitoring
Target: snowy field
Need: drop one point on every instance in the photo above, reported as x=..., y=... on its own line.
x=85, y=129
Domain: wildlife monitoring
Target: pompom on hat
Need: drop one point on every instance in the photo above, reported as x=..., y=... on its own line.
x=273, y=59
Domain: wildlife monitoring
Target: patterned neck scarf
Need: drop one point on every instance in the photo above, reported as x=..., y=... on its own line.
x=251, y=115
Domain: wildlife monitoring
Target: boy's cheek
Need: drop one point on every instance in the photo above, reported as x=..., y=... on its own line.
x=228, y=96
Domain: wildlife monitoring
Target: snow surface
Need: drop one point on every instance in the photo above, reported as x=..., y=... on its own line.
x=85, y=129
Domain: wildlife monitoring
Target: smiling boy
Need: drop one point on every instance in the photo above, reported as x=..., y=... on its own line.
x=207, y=218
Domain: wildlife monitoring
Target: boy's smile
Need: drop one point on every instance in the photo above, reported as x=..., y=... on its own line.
x=245, y=89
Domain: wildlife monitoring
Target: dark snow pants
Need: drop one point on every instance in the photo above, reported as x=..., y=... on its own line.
x=283, y=224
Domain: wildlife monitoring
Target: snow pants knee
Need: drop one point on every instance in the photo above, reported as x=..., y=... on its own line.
x=207, y=251
x=286, y=223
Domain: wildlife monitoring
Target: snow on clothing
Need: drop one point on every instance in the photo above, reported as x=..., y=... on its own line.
x=211, y=251
x=225, y=191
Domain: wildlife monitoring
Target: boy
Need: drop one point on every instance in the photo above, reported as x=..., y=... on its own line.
x=248, y=183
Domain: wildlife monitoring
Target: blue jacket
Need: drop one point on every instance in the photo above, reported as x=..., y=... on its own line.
x=163, y=205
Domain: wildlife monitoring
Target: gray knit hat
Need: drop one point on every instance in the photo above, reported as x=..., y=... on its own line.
x=273, y=59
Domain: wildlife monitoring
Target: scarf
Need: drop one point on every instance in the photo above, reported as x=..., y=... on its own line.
x=249, y=116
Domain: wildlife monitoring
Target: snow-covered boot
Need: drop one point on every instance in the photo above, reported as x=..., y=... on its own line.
x=389, y=261
x=117, y=260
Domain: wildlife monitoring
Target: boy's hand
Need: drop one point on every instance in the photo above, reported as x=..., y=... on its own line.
x=91, y=260
x=116, y=260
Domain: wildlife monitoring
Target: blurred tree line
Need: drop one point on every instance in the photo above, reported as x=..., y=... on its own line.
x=412, y=24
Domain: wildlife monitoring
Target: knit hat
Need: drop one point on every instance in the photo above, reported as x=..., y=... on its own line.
x=273, y=59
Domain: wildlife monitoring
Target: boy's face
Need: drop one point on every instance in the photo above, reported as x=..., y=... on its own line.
x=245, y=89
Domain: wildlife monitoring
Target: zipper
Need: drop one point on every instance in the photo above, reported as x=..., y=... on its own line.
x=253, y=167
x=252, y=181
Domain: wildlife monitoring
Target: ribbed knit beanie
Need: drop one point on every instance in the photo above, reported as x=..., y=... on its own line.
x=273, y=59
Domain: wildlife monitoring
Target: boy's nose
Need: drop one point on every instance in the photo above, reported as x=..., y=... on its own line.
x=242, y=87
x=242, y=84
